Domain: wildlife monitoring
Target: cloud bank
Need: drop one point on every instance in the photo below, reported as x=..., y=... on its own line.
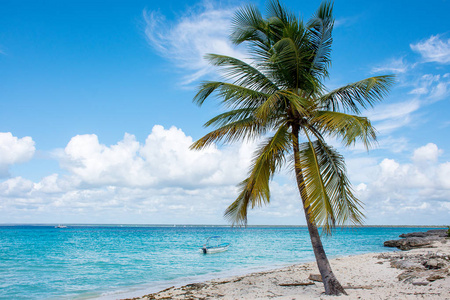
x=161, y=181
x=160, y=176
x=164, y=160
x=415, y=192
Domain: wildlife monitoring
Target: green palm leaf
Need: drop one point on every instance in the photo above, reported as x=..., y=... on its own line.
x=365, y=93
x=241, y=130
x=349, y=128
x=254, y=190
x=232, y=95
x=330, y=198
x=242, y=73
x=321, y=28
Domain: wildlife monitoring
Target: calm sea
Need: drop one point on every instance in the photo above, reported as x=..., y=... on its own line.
x=110, y=262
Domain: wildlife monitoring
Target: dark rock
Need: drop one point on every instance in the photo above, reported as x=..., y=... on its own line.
x=407, y=275
x=407, y=264
x=417, y=239
x=433, y=264
x=413, y=234
x=408, y=243
x=435, y=277
x=433, y=232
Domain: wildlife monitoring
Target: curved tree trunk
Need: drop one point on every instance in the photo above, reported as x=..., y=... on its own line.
x=330, y=282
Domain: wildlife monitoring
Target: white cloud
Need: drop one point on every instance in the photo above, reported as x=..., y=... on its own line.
x=389, y=117
x=17, y=187
x=390, y=188
x=432, y=87
x=163, y=160
x=162, y=181
x=394, y=65
x=428, y=153
x=434, y=49
x=14, y=150
x=394, y=144
x=158, y=181
x=444, y=176
x=347, y=21
x=186, y=41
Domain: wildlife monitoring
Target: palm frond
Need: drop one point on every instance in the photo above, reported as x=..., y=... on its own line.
x=329, y=200
x=248, y=25
x=288, y=63
x=300, y=104
x=232, y=95
x=254, y=190
x=240, y=130
x=365, y=93
x=349, y=128
x=230, y=117
x=278, y=11
x=315, y=193
x=346, y=206
x=271, y=105
x=242, y=73
x=321, y=28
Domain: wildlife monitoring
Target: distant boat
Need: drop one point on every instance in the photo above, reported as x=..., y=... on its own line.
x=61, y=226
x=213, y=245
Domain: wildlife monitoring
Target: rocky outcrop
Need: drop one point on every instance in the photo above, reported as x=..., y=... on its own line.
x=420, y=269
x=417, y=239
x=434, y=232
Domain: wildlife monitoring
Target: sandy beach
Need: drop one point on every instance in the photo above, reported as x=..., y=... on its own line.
x=415, y=274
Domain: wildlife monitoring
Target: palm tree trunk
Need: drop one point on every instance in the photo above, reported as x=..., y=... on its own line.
x=330, y=282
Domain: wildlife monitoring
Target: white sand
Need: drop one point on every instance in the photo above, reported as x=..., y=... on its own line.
x=367, y=276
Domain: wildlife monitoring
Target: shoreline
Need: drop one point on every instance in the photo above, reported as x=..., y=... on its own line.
x=208, y=225
x=415, y=274
x=136, y=292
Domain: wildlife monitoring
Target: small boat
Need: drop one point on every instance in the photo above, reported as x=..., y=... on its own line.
x=61, y=226
x=213, y=245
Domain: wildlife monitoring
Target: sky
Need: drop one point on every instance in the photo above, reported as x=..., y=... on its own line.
x=96, y=112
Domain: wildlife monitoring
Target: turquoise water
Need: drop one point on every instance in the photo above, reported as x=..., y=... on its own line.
x=109, y=262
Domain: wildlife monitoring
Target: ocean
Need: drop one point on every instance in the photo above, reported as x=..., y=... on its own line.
x=117, y=261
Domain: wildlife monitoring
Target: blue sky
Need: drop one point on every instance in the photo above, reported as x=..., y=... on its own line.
x=96, y=113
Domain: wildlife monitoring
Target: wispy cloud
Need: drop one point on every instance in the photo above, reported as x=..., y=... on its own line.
x=434, y=49
x=186, y=41
x=347, y=21
x=393, y=116
x=394, y=65
x=425, y=88
x=432, y=88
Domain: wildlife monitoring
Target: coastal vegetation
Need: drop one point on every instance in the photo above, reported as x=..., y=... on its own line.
x=280, y=97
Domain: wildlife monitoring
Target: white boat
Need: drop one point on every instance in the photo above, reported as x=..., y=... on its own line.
x=213, y=245
x=61, y=226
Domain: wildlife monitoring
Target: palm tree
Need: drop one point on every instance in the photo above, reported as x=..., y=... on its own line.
x=280, y=96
